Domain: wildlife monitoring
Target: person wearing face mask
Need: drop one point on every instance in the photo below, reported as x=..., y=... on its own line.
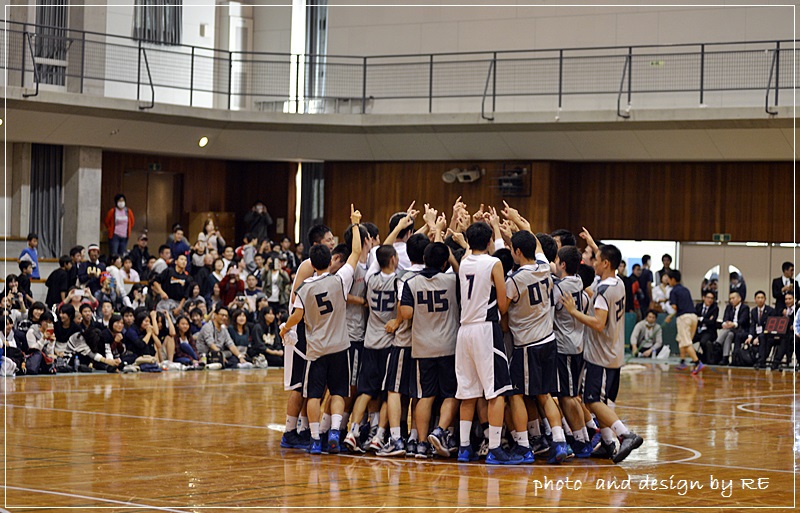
x=119, y=223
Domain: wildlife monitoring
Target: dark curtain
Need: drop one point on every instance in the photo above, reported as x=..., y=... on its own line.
x=46, y=203
x=158, y=21
x=312, y=198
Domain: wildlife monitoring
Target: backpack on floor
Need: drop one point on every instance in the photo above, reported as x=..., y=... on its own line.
x=745, y=356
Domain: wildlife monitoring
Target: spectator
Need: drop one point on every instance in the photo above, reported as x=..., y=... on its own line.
x=758, y=321
x=137, y=296
x=179, y=246
x=164, y=258
x=706, y=334
x=277, y=285
x=661, y=295
x=735, y=324
x=647, y=338
x=216, y=297
x=638, y=295
x=231, y=286
x=789, y=341
x=86, y=315
x=174, y=286
x=646, y=285
x=288, y=254
x=261, y=261
x=738, y=285
x=215, y=337
x=142, y=339
x=185, y=346
x=267, y=339
x=89, y=272
x=258, y=221
x=240, y=331
x=249, y=252
x=119, y=224
x=128, y=318
x=129, y=274
x=148, y=273
x=24, y=321
x=139, y=254
x=210, y=237
x=58, y=282
x=24, y=279
x=628, y=282
x=113, y=338
x=106, y=312
x=41, y=340
x=166, y=334
x=252, y=294
x=76, y=254
x=299, y=253
x=66, y=327
x=784, y=284
x=76, y=296
x=114, y=270
x=107, y=292
x=666, y=261
x=15, y=295
x=228, y=255
x=214, y=278
x=31, y=254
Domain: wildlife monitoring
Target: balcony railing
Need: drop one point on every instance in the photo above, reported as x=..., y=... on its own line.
x=736, y=74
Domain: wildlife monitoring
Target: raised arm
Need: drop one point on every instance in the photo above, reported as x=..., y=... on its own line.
x=512, y=214
x=404, y=223
x=355, y=254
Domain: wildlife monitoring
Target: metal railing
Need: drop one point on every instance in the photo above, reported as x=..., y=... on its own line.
x=115, y=66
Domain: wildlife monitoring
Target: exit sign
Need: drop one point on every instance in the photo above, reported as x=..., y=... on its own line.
x=721, y=237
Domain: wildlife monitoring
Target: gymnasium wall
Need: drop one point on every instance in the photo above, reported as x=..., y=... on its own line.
x=661, y=201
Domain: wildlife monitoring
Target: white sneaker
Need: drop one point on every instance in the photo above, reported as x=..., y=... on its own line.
x=130, y=368
x=260, y=362
x=375, y=444
x=245, y=365
x=214, y=366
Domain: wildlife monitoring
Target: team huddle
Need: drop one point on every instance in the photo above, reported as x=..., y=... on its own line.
x=476, y=339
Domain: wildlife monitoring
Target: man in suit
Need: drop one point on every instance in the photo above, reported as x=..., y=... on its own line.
x=758, y=321
x=784, y=284
x=789, y=341
x=706, y=334
x=735, y=325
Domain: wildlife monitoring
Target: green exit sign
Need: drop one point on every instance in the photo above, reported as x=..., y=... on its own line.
x=721, y=237
x=656, y=64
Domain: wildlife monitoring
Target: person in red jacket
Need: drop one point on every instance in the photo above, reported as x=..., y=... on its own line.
x=119, y=223
x=231, y=285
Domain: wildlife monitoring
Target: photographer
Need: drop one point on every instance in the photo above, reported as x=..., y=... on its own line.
x=276, y=283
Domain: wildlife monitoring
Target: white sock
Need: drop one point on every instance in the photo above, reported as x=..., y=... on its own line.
x=619, y=428
x=494, y=436
x=336, y=422
x=315, y=430
x=486, y=432
x=591, y=424
x=413, y=435
x=381, y=433
x=547, y=427
x=465, y=426
x=607, y=434
x=581, y=435
x=558, y=434
x=534, y=429
x=521, y=439
x=345, y=419
x=394, y=432
x=566, y=427
x=374, y=418
x=325, y=423
x=302, y=423
x=291, y=423
x=355, y=429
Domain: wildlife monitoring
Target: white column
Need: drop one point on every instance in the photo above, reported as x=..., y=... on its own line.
x=20, y=173
x=82, y=187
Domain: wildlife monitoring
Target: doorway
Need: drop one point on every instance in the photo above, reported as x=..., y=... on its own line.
x=155, y=198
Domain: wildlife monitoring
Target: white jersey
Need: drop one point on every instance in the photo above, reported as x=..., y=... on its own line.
x=478, y=295
x=530, y=317
x=606, y=348
x=570, y=332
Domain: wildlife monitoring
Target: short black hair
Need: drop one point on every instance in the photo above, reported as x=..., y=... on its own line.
x=47, y=316
x=24, y=264
x=317, y=233
x=32, y=236
x=342, y=250
x=415, y=247
x=786, y=266
x=571, y=256
x=611, y=253
x=645, y=259
x=126, y=310
x=710, y=292
x=194, y=311
x=68, y=310
x=734, y=276
x=372, y=229
x=126, y=258
x=140, y=317
x=220, y=307
x=162, y=247
x=635, y=266
x=478, y=236
x=63, y=260
x=525, y=242
x=665, y=255
x=85, y=306
x=566, y=236
x=506, y=259
x=760, y=292
x=348, y=236
x=75, y=250
x=436, y=255
x=651, y=311
x=385, y=254
x=587, y=274
x=114, y=258
x=320, y=256
x=675, y=275
x=395, y=220
x=247, y=237
x=549, y=246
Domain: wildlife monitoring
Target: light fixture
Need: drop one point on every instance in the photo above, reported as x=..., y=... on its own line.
x=1, y=121
x=450, y=176
x=203, y=142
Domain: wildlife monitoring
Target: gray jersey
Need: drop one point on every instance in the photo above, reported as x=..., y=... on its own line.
x=570, y=332
x=357, y=314
x=324, y=306
x=530, y=317
x=381, y=296
x=606, y=348
x=402, y=335
x=434, y=329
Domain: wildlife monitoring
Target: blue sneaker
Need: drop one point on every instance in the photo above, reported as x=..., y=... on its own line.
x=342, y=447
x=466, y=454
x=524, y=452
x=596, y=438
x=558, y=452
x=291, y=440
x=438, y=440
x=681, y=366
x=582, y=449
x=333, y=442
x=498, y=456
x=315, y=447
x=698, y=368
x=393, y=448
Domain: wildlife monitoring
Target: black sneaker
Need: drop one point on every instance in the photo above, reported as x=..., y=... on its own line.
x=424, y=451
x=605, y=450
x=438, y=440
x=538, y=444
x=627, y=444
x=411, y=448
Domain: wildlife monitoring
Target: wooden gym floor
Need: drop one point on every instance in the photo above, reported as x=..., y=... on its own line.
x=202, y=441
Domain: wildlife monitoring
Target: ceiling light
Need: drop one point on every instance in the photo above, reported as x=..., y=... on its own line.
x=202, y=142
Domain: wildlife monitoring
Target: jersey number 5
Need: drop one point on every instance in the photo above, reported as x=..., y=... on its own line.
x=325, y=306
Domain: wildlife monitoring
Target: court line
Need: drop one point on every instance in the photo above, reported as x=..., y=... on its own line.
x=88, y=497
x=741, y=407
x=620, y=406
x=728, y=399
x=90, y=390
x=782, y=471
